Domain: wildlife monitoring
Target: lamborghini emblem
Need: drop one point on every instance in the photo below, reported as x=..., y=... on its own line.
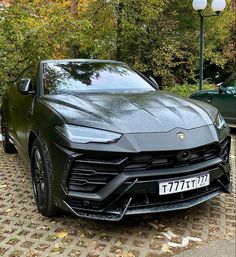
x=181, y=136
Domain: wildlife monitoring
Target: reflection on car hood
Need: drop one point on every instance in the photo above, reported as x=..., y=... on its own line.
x=132, y=112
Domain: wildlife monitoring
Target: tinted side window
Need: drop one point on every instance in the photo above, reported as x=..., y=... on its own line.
x=230, y=87
x=231, y=83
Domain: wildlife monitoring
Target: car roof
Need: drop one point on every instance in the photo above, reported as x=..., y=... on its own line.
x=82, y=60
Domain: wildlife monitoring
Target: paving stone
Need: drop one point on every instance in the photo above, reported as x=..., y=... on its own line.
x=24, y=232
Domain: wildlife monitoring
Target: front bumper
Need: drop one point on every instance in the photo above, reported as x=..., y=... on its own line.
x=137, y=193
x=133, y=190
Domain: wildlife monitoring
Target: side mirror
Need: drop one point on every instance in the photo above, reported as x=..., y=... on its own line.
x=220, y=86
x=153, y=81
x=25, y=87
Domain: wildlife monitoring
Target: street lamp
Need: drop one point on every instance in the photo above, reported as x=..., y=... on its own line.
x=200, y=5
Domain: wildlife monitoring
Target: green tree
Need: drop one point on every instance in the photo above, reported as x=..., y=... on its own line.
x=158, y=37
x=31, y=31
x=138, y=32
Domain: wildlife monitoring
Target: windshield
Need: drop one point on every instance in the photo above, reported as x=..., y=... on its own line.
x=65, y=77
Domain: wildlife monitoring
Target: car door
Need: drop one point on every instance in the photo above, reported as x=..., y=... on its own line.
x=22, y=120
x=9, y=99
x=230, y=106
x=225, y=100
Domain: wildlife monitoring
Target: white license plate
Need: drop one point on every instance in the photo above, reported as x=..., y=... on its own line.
x=184, y=184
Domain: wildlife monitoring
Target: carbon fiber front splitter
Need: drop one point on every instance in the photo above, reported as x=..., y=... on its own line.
x=116, y=214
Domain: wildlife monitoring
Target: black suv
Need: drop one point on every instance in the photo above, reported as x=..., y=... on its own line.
x=103, y=141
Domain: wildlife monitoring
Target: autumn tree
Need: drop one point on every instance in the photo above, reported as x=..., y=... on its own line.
x=158, y=37
x=32, y=31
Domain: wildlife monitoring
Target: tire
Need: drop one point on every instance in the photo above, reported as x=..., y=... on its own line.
x=7, y=145
x=42, y=179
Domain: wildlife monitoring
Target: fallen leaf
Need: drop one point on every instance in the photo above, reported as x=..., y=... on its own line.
x=118, y=243
x=3, y=186
x=8, y=210
x=62, y=234
x=166, y=249
x=130, y=255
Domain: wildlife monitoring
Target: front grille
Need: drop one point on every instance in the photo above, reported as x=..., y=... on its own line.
x=91, y=171
x=171, y=159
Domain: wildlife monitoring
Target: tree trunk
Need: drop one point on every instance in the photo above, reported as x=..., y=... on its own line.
x=119, y=30
x=233, y=7
x=74, y=4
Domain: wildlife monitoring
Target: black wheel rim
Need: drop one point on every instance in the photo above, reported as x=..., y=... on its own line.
x=38, y=177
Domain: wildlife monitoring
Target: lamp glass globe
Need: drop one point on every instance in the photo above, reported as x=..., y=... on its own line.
x=199, y=5
x=218, y=5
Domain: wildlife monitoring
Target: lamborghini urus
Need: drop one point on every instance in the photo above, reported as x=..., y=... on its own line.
x=102, y=141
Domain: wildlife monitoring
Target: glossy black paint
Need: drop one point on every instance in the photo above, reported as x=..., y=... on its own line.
x=223, y=98
x=148, y=122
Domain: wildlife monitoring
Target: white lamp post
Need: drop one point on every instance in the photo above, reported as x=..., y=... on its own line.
x=200, y=5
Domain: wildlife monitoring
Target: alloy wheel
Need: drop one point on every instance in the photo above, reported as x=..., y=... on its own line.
x=38, y=178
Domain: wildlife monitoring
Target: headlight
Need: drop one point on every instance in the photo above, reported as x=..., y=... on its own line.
x=220, y=122
x=85, y=135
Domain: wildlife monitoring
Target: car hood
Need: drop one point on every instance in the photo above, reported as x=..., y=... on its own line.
x=204, y=92
x=132, y=112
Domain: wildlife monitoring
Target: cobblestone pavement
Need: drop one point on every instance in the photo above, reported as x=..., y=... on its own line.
x=24, y=232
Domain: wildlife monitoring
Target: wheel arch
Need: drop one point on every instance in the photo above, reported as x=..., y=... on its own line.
x=32, y=136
